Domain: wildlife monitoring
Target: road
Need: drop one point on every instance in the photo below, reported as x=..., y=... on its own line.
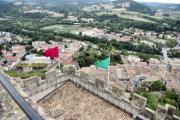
x=165, y=50
x=178, y=40
x=166, y=58
x=28, y=110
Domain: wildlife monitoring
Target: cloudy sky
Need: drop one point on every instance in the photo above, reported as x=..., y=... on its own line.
x=162, y=1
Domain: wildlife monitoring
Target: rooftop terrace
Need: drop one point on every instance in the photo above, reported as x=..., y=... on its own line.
x=70, y=102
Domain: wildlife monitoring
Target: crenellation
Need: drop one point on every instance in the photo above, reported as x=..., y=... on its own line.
x=68, y=70
x=84, y=76
x=170, y=111
x=100, y=83
x=117, y=92
x=175, y=117
x=31, y=83
x=138, y=101
x=51, y=76
x=149, y=113
x=161, y=113
x=115, y=95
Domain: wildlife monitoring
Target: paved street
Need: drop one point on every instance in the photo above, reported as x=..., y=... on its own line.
x=178, y=40
x=166, y=58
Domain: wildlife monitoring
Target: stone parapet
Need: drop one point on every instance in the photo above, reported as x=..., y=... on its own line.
x=114, y=95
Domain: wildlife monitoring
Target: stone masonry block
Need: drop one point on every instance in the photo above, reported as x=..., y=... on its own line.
x=138, y=100
x=117, y=91
x=161, y=113
x=100, y=83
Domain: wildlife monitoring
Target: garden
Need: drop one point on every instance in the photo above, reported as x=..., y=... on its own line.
x=38, y=69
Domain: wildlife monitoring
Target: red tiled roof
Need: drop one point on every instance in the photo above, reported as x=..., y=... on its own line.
x=12, y=58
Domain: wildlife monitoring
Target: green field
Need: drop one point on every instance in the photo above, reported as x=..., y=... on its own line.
x=105, y=13
x=62, y=27
x=52, y=27
x=132, y=17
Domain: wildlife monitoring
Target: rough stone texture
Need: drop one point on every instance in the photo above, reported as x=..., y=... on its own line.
x=117, y=91
x=100, y=83
x=51, y=77
x=161, y=113
x=12, y=111
x=69, y=70
x=9, y=110
x=170, y=111
x=138, y=100
x=149, y=113
x=31, y=83
x=84, y=76
x=175, y=118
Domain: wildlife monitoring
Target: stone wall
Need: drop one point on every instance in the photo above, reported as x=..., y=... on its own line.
x=35, y=82
x=12, y=110
x=137, y=103
x=115, y=94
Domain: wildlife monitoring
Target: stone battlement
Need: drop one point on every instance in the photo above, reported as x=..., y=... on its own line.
x=114, y=95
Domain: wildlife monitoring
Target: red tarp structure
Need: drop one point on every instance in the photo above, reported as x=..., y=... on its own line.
x=52, y=52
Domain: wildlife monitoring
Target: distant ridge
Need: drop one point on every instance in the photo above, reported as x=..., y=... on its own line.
x=137, y=7
x=163, y=6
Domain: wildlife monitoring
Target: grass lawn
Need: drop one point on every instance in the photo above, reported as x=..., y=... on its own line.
x=71, y=27
x=52, y=27
x=67, y=28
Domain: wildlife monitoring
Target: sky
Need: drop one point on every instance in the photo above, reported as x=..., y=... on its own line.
x=162, y=1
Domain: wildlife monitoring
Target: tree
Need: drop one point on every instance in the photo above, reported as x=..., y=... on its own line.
x=28, y=47
x=5, y=61
x=65, y=46
x=80, y=33
x=171, y=95
x=40, y=53
x=81, y=62
x=171, y=43
x=170, y=101
x=61, y=66
x=156, y=86
x=90, y=60
x=34, y=51
x=81, y=49
x=58, y=39
x=23, y=58
x=14, y=54
x=75, y=56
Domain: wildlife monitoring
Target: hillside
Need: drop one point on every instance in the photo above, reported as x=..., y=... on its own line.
x=163, y=6
x=136, y=7
x=69, y=1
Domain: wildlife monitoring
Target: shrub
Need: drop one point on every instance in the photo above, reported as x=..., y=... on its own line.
x=170, y=101
x=152, y=101
x=39, y=65
x=171, y=95
x=156, y=86
x=21, y=65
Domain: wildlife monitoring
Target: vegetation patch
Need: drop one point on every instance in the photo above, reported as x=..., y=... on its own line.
x=134, y=17
x=24, y=75
x=52, y=27
x=164, y=97
x=67, y=28
x=38, y=69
